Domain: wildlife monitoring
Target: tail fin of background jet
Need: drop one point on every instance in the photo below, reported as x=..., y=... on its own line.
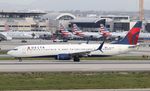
x=63, y=31
x=7, y=28
x=103, y=28
x=75, y=28
x=61, y=28
x=133, y=35
x=103, y=31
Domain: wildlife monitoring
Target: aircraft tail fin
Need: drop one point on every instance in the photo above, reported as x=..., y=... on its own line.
x=7, y=28
x=103, y=31
x=102, y=28
x=75, y=28
x=133, y=35
x=61, y=28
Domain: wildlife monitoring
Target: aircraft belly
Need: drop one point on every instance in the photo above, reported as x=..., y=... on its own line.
x=103, y=53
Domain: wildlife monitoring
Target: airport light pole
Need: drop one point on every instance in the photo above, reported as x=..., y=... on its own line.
x=141, y=10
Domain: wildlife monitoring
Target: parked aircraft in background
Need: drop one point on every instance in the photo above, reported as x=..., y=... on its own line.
x=15, y=35
x=22, y=35
x=75, y=51
x=103, y=31
x=80, y=33
x=66, y=34
x=8, y=34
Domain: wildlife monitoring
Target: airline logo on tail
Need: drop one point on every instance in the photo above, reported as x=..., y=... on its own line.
x=7, y=28
x=76, y=30
x=61, y=28
x=63, y=31
x=133, y=35
x=104, y=31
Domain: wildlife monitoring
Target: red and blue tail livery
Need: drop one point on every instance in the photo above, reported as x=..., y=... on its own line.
x=133, y=35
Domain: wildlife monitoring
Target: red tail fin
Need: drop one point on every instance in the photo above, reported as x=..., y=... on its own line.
x=133, y=35
x=104, y=31
x=61, y=28
x=75, y=28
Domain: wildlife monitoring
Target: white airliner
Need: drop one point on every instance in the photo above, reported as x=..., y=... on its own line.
x=8, y=34
x=75, y=51
x=80, y=33
x=22, y=35
x=16, y=35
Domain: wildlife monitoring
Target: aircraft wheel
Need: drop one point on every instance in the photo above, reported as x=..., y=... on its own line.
x=20, y=59
x=76, y=59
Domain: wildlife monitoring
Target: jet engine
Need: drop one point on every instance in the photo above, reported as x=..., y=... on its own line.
x=63, y=57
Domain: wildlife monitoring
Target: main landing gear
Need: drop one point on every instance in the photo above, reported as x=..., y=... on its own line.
x=20, y=59
x=76, y=59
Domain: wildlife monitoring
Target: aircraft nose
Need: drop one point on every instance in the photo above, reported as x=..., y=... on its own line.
x=11, y=53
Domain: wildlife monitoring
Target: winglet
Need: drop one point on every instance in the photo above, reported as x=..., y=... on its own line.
x=101, y=46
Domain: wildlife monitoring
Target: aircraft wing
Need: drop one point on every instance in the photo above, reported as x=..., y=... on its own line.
x=83, y=53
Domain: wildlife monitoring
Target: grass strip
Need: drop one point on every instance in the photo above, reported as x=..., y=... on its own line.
x=3, y=52
x=74, y=80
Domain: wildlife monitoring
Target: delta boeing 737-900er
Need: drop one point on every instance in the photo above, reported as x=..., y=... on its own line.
x=76, y=51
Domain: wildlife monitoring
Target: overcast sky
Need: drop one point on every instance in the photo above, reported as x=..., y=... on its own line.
x=58, y=5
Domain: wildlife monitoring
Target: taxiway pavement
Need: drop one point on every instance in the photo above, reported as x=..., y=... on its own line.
x=84, y=66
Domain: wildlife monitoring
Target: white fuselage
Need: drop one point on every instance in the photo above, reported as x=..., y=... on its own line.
x=89, y=34
x=53, y=50
x=23, y=35
x=17, y=35
x=70, y=35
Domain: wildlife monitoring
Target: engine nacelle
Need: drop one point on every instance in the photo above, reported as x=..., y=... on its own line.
x=63, y=57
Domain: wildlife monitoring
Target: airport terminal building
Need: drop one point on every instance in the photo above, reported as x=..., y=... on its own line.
x=41, y=21
x=33, y=21
x=56, y=18
x=22, y=21
x=119, y=23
